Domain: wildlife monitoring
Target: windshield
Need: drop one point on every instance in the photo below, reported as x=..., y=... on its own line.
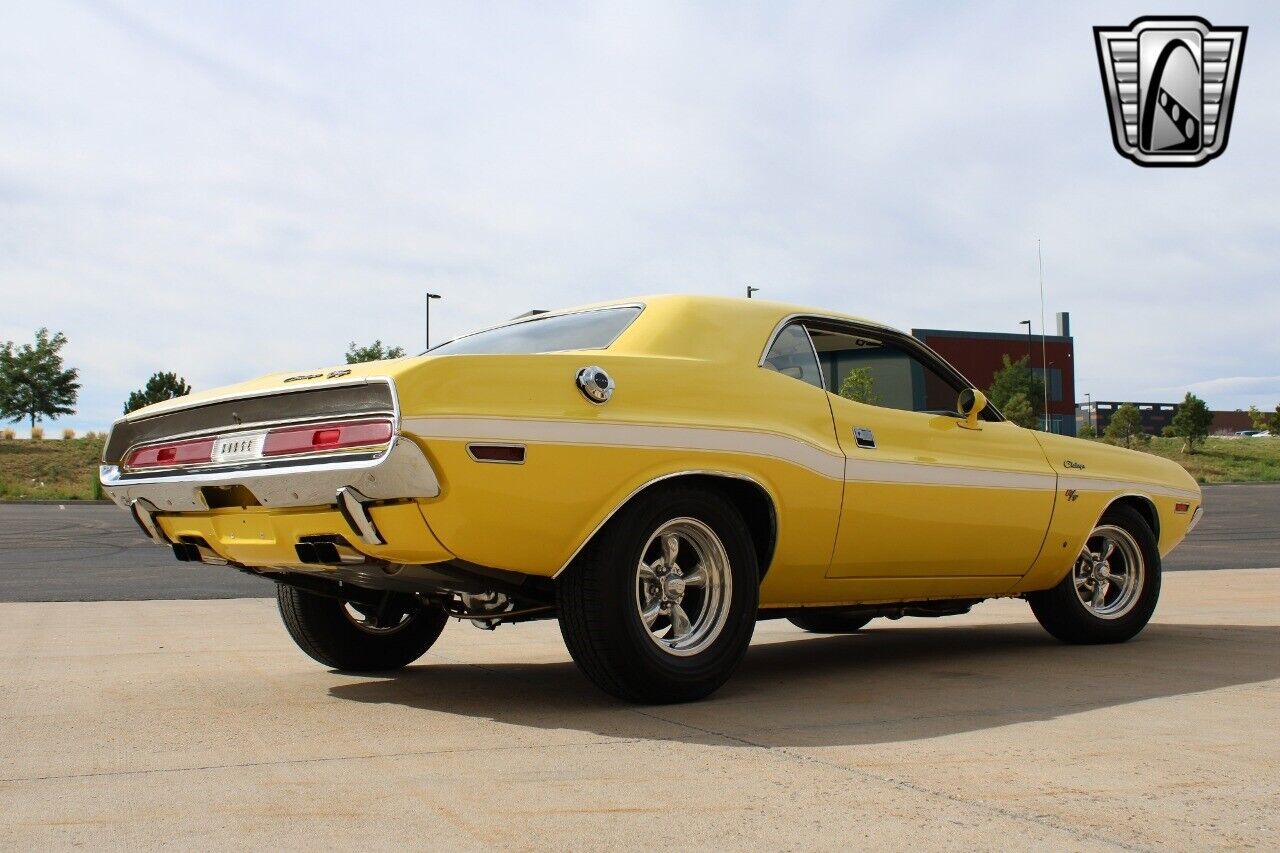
x=583, y=330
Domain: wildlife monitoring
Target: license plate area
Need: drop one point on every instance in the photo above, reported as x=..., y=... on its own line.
x=241, y=447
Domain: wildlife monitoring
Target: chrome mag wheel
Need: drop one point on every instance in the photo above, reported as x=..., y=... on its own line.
x=1109, y=572
x=683, y=587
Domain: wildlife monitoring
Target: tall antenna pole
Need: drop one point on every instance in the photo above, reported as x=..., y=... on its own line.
x=1044, y=358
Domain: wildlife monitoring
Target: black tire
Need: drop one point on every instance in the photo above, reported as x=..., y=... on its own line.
x=599, y=602
x=322, y=628
x=1064, y=614
x=830, y=623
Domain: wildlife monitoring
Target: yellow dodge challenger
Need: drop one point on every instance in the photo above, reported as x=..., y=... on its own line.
x=656, y=474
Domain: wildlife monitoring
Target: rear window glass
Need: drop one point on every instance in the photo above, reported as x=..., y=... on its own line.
x=583, y=330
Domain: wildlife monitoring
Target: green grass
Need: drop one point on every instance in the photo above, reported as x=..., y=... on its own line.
x=49, y=470
x=1224, y=460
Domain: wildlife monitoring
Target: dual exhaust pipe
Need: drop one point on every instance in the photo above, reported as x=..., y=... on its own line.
x=311, y=550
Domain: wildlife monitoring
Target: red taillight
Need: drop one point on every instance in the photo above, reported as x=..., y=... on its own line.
x=287, y=441
x=175, y=453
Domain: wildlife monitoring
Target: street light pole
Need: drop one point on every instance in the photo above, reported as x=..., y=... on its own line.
x=1089, y=402
x=1027, y=323
x=1030, y=371
x=751, y=290
x=430, y=296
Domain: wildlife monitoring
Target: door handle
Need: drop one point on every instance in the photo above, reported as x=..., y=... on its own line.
x=864, y=438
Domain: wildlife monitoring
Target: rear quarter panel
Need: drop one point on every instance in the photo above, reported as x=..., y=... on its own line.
x=668, y=415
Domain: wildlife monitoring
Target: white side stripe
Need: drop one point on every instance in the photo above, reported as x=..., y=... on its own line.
x=601, y=433
x=773, y=445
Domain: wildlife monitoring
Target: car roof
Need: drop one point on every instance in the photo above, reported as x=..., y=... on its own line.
x=717, y=328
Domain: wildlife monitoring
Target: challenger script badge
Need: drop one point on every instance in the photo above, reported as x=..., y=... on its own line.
x=1170, y=85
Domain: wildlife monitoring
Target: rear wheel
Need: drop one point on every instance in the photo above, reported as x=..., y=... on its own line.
x=359, y=637
x=830, y=623
x=661, y=606
x=1111, y=590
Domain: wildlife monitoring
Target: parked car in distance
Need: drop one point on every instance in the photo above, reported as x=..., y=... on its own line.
x=657, y=474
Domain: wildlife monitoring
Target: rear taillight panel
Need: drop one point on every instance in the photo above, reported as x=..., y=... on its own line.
x=295, y=440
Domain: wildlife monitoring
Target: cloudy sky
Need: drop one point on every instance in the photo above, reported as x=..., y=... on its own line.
x=224, y=189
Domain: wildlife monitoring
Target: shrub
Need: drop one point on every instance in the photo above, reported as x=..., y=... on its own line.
x=37, y=433
x=68, y=434
x=9, y=434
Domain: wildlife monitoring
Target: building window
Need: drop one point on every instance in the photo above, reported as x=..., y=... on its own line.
x=1052, y=379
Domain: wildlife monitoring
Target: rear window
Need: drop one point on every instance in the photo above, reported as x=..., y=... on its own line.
x=583, y=330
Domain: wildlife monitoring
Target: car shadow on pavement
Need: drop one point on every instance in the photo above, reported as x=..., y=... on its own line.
x=880, y=686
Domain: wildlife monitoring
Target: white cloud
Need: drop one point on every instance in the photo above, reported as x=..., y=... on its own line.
x=224, y=191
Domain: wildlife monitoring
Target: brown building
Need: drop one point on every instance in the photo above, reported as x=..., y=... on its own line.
x=979, y=355
x=1155, y=417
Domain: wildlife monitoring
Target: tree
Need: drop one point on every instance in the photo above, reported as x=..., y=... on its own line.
x=1260, y=420
x=1015, y=377
x=859, y=385
x=33, y=384
x=373, y=352
x=1018, y=410
x=161, y=386
x=1125, y=427
x=1191, y=422
x=1274, y=426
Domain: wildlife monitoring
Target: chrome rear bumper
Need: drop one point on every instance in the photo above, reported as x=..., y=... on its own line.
x=401, y=472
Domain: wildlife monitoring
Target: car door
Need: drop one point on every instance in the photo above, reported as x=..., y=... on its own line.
x=924, y=496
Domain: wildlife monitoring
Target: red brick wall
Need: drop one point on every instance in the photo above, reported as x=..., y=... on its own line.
x=1230, y=422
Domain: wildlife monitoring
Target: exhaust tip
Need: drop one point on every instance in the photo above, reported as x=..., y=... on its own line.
x=307, y=553
x=186, y=552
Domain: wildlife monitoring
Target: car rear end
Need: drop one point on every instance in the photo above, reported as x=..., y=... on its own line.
x=312, y=473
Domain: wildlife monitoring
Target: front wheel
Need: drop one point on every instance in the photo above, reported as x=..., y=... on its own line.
x=661, y=606
x=359, y=637
x=1111, y=590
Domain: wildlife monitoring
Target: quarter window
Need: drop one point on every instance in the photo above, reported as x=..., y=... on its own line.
x=792, y=355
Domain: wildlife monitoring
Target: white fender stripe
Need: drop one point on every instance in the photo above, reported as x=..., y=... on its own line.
x=1105, y=484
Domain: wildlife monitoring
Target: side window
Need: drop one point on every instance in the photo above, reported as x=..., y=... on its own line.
x=881, y=373
x=792, y=355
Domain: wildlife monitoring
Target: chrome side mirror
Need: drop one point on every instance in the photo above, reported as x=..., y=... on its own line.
x=970, y=404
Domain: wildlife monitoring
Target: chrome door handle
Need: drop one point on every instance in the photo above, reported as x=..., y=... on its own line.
x=864, y=438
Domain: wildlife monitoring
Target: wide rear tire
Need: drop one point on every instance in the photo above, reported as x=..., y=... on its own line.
x=343, y=637
x=1112, y=589
x=682, y=548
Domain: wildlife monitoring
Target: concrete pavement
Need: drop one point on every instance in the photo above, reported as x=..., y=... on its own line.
x=95, y=553
x=198, y=724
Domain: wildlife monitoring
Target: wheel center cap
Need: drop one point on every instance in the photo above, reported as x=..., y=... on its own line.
x=673, y=587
